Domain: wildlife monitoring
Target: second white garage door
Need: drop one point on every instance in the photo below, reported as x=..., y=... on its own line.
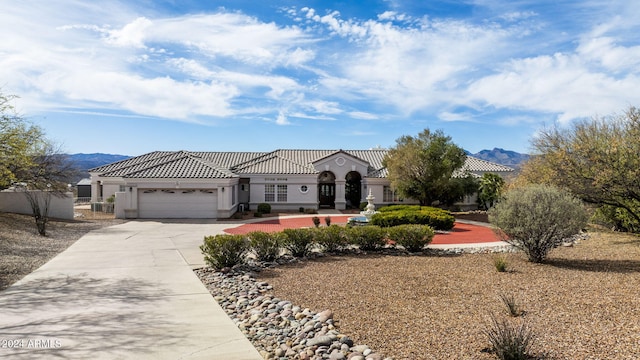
x=177, y=204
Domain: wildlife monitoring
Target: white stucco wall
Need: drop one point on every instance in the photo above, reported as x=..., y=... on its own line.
x=17, y=202
x=295, y=197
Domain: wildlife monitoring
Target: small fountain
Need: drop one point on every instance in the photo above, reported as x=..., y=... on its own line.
x=366, y=215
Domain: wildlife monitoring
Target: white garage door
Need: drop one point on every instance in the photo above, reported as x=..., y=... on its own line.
x=177, y=204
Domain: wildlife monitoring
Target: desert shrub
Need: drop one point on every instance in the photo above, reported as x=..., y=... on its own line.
x=368, y=237
x=412, y=237
x=266, y=246
x=224, y=250
x=536, y=219
x=500, y=262
x=331, y=238
x=299, y=242
x=316, y=221
x=510, y=341
x=264, y=208
x=413, y=214
x=510, y=302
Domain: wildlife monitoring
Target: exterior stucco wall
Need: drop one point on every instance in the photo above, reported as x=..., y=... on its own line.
x=17, y=202
x=295, y=197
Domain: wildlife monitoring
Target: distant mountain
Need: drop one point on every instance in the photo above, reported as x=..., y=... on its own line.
x=85, y=162
x=503, y=157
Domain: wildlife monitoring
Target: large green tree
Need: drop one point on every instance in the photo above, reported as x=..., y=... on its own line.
x=18, y=142
x=423, y=167
x=598, y=160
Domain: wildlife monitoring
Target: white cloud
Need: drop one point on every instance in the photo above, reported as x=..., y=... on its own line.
x=604, y=51
x=133, y=34
x=454, y=116
x=561, y=84
x=410, y=67
x=281, y=119
x=110, y=55
x=363, y=115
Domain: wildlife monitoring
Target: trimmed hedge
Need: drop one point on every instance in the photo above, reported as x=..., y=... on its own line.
x=412, y=237
x=368, y=237
x=266, y=246
x=298, y=241
x=331, y=238
x=395, y=215
x=224, y=250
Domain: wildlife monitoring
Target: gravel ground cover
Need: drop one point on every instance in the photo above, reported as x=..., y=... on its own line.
x=583, y=303
x=22, y=250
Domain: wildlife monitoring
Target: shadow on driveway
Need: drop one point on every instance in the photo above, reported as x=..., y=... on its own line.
x=79, y=316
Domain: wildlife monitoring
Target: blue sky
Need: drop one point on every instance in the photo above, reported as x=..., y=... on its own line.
x=138, y=76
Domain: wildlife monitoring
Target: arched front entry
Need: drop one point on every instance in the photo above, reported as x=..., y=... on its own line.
x=327, y=190
x=352, y=190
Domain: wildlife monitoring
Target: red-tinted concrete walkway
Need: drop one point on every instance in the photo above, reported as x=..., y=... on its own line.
x=462, y=233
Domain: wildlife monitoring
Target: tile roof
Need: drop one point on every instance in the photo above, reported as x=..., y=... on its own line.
x=478, y=165
x=172, y=165
x=205, y=165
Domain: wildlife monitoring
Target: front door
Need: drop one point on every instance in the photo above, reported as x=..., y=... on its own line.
x=327, y=195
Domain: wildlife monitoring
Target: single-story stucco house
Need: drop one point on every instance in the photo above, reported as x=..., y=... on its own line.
x=184, y=184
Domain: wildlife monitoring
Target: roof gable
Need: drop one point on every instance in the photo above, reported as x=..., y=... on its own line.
x=337, y=154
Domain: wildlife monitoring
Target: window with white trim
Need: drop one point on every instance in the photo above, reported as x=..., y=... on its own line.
x=389, y=195
x=269, y=192
x=282, y=193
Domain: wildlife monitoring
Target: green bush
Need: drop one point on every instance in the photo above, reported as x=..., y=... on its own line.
x=299, y=242
x=257, y=214
x=412, y=237
x=264, y=208
x=368, y=237
x=500, y=262
x=413, y=214
x=617, y=218
x=266, y=246
x=537, y=218
x=224, y=250
x=331, y=238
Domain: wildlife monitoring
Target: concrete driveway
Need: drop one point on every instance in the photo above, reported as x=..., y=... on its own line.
x=122, y=292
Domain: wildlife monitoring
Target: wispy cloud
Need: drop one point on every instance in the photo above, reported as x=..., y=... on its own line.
x=319, y=64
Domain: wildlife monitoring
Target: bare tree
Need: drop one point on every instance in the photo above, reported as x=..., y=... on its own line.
x=48, y=177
